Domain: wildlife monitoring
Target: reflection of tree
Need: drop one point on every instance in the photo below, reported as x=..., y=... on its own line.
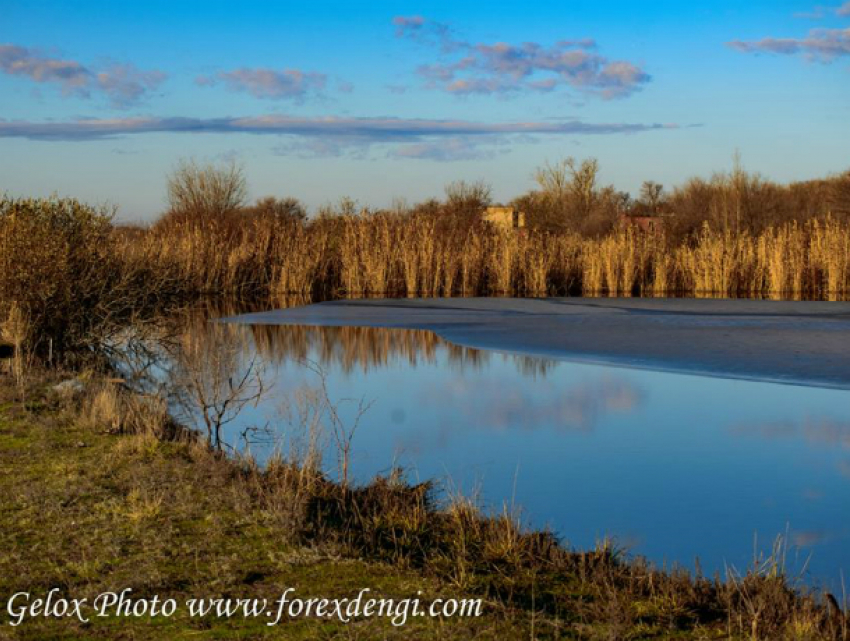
x=213, y=380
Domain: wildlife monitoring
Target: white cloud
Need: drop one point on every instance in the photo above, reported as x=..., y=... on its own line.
x=123, y=84
x=503, y=68
x=284, y=84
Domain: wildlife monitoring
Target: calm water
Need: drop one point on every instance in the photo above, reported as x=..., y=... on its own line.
x=671, y=466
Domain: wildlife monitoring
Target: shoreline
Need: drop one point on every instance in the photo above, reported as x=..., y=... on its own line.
x=784, y=342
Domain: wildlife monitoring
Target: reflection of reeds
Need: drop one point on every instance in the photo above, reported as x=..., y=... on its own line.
x=353, y=348
x=357, y=347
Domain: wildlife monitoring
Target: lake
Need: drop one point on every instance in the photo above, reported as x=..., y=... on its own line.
x=671, y=466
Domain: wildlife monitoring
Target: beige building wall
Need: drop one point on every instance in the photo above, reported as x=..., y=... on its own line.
x=505, y=217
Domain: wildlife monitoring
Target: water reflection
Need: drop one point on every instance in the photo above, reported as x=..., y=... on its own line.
x=368, y=348
x=823, y=431
x=489, y=405
x=676, y=466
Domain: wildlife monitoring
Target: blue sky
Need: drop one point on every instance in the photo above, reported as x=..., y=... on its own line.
x=386, y=100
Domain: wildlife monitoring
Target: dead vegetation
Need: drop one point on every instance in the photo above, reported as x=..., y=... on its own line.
x=416, y=529
x=391, y=255
x=735, y=235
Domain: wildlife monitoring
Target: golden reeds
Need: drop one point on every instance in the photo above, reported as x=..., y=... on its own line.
x=392, y=254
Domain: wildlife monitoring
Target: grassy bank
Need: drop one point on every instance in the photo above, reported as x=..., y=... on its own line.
x=89, y=509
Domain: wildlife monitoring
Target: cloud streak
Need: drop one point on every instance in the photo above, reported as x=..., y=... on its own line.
x=820, y=12
x=820, y=45
x=123, y=84
x=503, y=68
x=454, y=148
x=285, y=84
x=427, y=32
x=374, y=130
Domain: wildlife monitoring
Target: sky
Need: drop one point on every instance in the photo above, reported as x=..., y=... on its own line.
x=387, y=101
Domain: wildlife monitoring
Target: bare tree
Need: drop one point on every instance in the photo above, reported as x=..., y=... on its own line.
x=568, y=192
x=569, y=179
x=214, y=380
x=839, y=195
x=651, y=195
x=211, y=191
x=553, y=180
x=341, y=432
x=279, y=209
x=461, y=193
x=583, y=184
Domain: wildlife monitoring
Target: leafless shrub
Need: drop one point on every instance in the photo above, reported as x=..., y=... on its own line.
x=201, y=193
x=341, y=432
x=468, y=194
x=60, y=269
x=214, y=381
x=281, y=210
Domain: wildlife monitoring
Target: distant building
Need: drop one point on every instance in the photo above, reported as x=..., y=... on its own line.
x=504, y=217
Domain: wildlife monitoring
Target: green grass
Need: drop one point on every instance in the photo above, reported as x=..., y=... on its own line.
x=89, y=512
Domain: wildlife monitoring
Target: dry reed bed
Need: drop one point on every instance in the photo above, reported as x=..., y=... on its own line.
x=387, y=254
